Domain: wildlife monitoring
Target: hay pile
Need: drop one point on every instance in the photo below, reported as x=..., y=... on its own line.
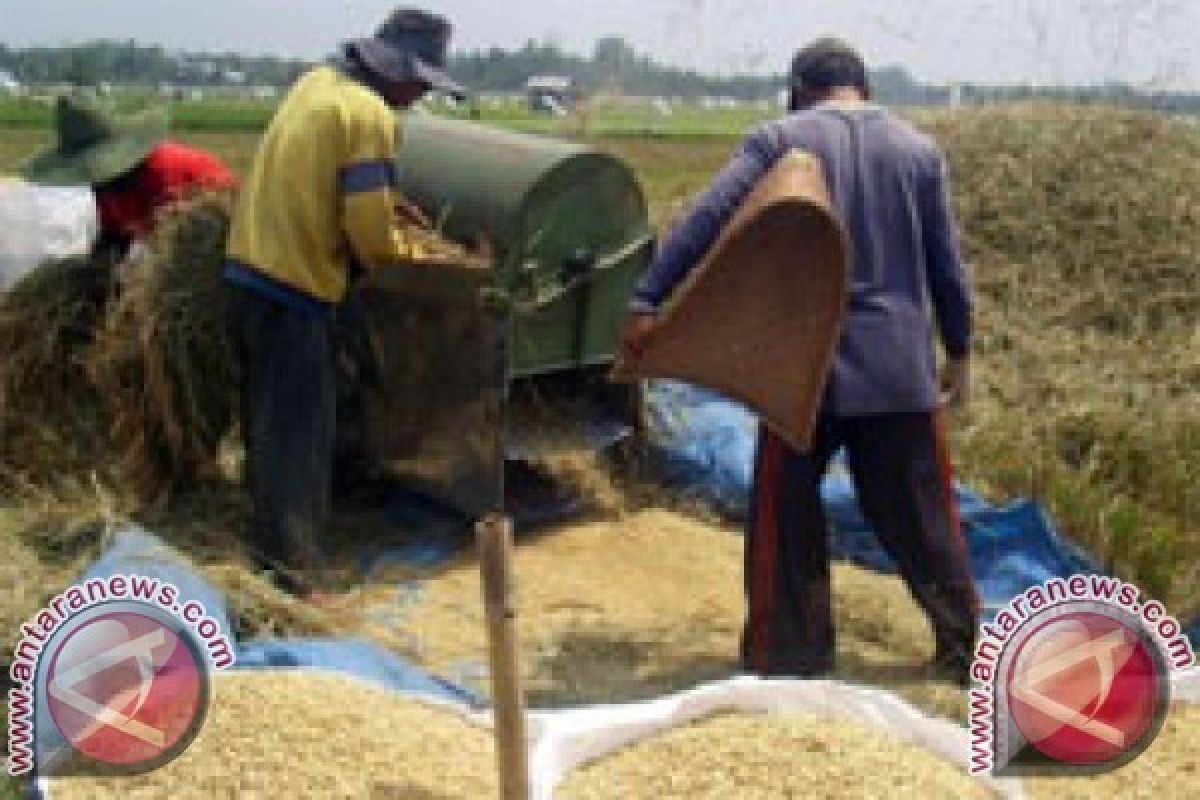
x=162, y=360
x=50, y=419
x=633, y=608
x=1082, y=227
x=311, y=735
x=115, y=386
x=126, y=374
x=761, y=757
x=22, y=580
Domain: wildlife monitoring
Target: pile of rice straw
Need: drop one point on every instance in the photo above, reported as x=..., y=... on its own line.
x=162, y=361
x=50, y=418
x=124, y=373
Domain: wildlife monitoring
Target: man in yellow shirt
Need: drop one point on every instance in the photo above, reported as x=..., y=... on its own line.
x=317, y=207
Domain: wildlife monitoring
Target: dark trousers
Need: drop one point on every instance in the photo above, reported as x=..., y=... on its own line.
x=901, y=472
x=289, y=408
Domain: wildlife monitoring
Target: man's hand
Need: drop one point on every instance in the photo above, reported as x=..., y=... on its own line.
x=637, y=332
x=956, y=383
x=412, y=215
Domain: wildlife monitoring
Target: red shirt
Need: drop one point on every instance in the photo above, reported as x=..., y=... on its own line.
x=127, y=207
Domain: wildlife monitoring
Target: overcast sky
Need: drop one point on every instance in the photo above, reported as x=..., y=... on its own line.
x=1151, y=43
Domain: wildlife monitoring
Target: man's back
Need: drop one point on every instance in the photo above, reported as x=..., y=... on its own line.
x=289, y=220
x=874, y=165
x=886, y=180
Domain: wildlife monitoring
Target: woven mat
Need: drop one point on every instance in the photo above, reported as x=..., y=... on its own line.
x=759, y=319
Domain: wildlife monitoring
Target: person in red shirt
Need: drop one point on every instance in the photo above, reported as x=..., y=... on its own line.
x=169, y=173
x=126, y=159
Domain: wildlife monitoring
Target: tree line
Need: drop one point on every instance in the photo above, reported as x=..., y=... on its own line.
x=613, y=65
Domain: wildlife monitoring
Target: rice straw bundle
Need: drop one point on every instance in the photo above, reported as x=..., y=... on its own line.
x=162, y=361
x=49, y=415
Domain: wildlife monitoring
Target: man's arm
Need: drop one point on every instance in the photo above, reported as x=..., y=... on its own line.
x=949, y=285
x=948, y=282
x=688, y=243
x=367, y=182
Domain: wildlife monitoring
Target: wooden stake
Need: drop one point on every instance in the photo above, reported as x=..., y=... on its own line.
x=495, y=541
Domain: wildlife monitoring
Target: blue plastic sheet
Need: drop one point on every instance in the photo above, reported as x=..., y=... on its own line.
x=137, y=552
x=361, y=659
x=704, y=444
x=134, y=551
x=1011, y=548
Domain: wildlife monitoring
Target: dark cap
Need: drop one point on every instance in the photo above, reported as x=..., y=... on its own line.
x=410, y=45
x=826, y=64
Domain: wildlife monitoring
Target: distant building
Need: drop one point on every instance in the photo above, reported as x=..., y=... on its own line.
x=8, y=83
x=956, y=95
x=551, y=94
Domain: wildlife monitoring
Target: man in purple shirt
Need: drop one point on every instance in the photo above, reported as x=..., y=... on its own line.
x=883, y=399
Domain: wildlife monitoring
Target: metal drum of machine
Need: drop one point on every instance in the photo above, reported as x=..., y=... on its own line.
x=481, y=363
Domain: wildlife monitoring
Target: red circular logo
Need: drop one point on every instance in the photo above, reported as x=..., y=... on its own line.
x=1085, y=688
x=127, y=688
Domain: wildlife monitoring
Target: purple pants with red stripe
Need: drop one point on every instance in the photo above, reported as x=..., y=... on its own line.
x=902, y=475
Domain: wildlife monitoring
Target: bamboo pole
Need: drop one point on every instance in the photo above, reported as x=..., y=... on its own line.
x=495, y=541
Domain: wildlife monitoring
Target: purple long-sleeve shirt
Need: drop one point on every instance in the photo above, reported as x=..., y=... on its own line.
x=888, y=183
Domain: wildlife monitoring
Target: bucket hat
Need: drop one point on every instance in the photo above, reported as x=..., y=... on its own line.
x=410, y=46
x=96, y=143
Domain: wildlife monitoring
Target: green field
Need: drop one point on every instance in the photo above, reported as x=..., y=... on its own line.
x=1095, y=418
x=233, y=114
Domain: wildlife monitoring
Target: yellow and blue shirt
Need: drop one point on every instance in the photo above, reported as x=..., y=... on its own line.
x=320, y=196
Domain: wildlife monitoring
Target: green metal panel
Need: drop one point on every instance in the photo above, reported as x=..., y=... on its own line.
x=568, y=226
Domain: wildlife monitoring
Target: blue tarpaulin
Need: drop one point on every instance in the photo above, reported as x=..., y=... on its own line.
x=359, y=658
x=136, y=552
x=705, y=445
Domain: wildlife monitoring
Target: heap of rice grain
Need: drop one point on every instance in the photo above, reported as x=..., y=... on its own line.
x=292, y=734
x=1169, y=768
x=630, y=609
x=759, y=757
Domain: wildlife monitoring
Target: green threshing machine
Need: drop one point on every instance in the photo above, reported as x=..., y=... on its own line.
x=478, y=366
